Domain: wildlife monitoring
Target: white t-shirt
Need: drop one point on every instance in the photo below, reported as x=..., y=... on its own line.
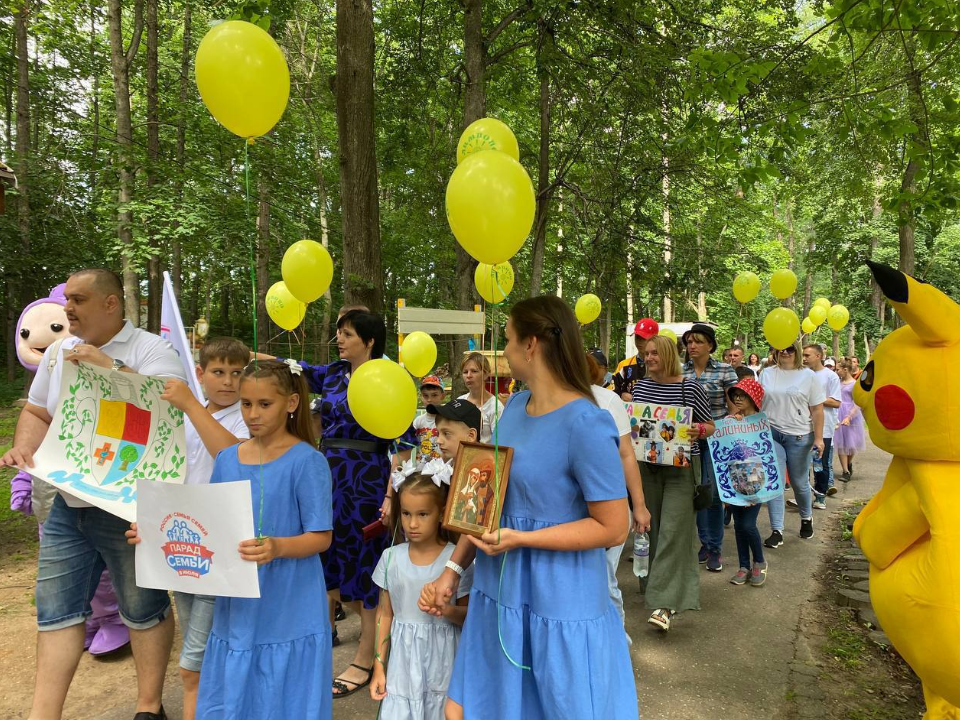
x=199, y=459
x=142, y=352
x=490, y=414
x=831, y=388
x=428, y=446
x=613, y=404
x=788, y=395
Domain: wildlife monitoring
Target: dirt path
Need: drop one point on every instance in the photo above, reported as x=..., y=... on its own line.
x=732, y=659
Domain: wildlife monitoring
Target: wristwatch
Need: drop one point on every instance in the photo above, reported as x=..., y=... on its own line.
x=118, y=364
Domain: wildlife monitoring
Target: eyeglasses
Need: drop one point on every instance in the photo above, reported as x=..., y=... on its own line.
x=789, y=350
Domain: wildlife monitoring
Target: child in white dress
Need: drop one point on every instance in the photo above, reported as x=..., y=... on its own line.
x=421, y=647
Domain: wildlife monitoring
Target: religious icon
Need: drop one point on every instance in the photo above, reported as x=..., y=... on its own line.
x=477, y=488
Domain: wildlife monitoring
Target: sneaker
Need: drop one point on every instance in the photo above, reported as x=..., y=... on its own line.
x=806, y=529
x=850, y=467
x=845, y=476
x=661, y=618
x=741, y=577
x=714, y=562
x=819, y=504
x=775, y=540
x=792, y=503
x=831, y=491
x=758, y=576
x=339, y=613
x=703, y=554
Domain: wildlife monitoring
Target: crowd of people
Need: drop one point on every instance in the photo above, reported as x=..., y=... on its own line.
x=532, y=608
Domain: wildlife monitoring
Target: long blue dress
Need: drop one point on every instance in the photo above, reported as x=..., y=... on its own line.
x=270, y=658
x=359, y=485
x=554, y=612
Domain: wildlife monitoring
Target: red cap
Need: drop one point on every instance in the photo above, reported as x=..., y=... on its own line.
x=752, y=388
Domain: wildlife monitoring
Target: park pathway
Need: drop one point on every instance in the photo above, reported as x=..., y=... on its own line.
x=729, y=660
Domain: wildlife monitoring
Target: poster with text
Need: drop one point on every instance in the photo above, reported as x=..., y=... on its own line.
x=189, y=535
x=110, y=430
x=745, y=460
x=661, y=433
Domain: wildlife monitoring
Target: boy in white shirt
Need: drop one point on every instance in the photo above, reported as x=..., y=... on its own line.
x=431, y=394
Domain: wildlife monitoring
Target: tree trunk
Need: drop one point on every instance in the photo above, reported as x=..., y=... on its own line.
x=325, y=241
x=543, y=175
x=667, y=242
x=176, y=258
x=808, y=283
x=906, y=215
x=95, y=109
x=154, y=284
x=263, y=261
x=362, y=265
x=791, y=244
x=852, y=340
x=833, y=284
x=120, y=61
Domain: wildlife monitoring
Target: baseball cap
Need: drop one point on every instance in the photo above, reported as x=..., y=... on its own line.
x=432, y=381
x=830, y=362
x=597, y=354
x=460, y=411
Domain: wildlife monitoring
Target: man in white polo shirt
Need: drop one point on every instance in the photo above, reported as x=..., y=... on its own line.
x=79, y=539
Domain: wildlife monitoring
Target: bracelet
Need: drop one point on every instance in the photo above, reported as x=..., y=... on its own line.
x=456, y=568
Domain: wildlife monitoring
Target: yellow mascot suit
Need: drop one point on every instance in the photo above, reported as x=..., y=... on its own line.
x=910, y=531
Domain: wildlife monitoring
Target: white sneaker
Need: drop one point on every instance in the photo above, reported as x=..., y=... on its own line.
x=792, y=503
x=819, y=505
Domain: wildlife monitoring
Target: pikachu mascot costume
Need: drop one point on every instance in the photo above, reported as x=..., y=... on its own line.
x=910, y=531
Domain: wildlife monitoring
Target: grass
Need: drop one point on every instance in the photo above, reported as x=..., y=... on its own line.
x=846, y=646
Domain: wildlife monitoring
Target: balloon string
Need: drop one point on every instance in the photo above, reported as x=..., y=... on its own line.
x=253, y=298
x=378, y=643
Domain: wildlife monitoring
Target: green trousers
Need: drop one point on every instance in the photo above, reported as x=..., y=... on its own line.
x=674, y=579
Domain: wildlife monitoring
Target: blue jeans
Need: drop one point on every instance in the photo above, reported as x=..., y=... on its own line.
x=748, y=537
x=710, y=521
x=823, y=480
x=77, y=544
x=797, y=450
x=196, y=619
x=613, y=555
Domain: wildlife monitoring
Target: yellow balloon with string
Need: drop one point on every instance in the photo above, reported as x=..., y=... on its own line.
x=587, y=308
x=817, y=315
x=494, y=282
x=382, y=398
x=283, y=308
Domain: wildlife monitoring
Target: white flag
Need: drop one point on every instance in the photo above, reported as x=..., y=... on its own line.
x=171, y=329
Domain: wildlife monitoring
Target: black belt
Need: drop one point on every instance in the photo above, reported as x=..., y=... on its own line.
x=371, y=446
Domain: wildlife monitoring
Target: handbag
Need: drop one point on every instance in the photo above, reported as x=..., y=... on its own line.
x=702, y=494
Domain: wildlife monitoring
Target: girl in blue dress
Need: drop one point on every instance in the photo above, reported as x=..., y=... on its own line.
x=542, y=638
x=421, y=648
x=269, y=658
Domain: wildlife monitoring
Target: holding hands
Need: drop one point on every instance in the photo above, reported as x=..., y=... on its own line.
x=435, y=596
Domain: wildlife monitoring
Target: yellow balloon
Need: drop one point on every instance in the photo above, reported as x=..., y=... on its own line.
x=418, y=353
x=307, y=269
x=243, y=78
x=667, y=332
x=746, y=285
x=494, y=282
x=822, y=301
x=283, y=308
x=837, y=317
x=807, y=326
x=781, y=327
x=487, y=134
x=783, y=283
x=817, y=315
x=382, y=398
x=587, y=308
x=490, y=206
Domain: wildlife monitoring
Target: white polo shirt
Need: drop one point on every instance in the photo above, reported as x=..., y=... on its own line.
x=199, y=459
x=142, y=352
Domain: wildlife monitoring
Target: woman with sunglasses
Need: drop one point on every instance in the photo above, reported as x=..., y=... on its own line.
x=793, y=402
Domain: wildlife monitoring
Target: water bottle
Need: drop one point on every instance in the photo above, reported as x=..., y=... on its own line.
x=817, y=461
x=641, y=554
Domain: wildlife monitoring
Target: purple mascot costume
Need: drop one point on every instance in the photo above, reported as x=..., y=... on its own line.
x=42, y=323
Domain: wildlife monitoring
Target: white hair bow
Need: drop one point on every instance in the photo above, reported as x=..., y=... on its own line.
x=294, y=366
x=403, y=471
x=439, y=471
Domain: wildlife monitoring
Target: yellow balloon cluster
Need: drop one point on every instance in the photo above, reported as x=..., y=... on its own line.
x=807, y=326
x=781, y=327
x=382, y=398
x=587, y=308
x=817, y=315
x=418, y=353
x=494, y=282
x=283, y=308
x=746, y=285
x=307, y=269
x=783, y=283
x=243, y=78
x=487, y=134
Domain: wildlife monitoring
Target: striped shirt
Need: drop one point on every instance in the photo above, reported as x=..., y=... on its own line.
x=687, y=393
x=715, y=379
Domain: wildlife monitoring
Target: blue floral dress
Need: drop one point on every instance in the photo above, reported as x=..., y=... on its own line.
x=359, y=484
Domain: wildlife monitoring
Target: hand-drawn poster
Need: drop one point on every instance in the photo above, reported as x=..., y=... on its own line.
x=661, y=433
x=111, y=429
x=189, y=536
x=745, y=461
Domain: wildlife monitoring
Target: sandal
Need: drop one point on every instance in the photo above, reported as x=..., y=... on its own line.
x=340, y=686
x=661, y=618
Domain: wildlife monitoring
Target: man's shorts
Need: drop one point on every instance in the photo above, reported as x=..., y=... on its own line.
x=77, y=544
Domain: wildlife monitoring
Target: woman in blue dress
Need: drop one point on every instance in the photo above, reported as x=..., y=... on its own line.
x=542, y=637
x=360, y=467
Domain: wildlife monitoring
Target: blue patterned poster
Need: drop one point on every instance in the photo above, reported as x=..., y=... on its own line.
x=748, y=468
